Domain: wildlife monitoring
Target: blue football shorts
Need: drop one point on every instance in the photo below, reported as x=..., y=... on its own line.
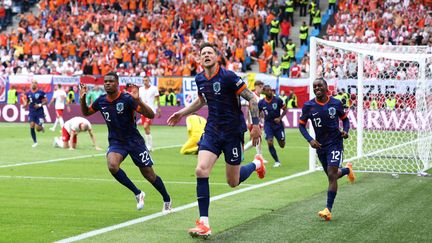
x=274, y=131
x=138, y=152
x=331, y=156
x=231, y=146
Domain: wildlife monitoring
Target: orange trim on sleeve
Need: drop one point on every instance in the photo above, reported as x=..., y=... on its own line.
x=241, y=89
x=302, y=122
x=138, y=109
x=91, y=109
x=344, y=116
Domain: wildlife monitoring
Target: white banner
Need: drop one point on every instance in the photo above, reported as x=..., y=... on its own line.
x=138, y=81
x=190, y=90
x=65, y=79
x=2, y=89
x=383, y=86
x=27, y=79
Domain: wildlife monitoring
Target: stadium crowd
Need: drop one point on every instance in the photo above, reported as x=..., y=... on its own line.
x=133, y=37
x=398, y=25
x=146, y=37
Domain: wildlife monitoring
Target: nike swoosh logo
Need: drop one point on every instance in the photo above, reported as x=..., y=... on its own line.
x=314, y=113
x=103, y=108
x=201, y=88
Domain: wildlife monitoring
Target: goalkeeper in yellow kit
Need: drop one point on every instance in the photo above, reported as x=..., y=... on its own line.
x=195, y=127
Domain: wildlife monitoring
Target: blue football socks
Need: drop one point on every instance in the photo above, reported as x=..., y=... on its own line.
x=345, y=171
x=330, y=199
x=273, y=153
x=246, y=171
x=125, y=181
x=33, y=134
x=159, y=185
x=203, y=196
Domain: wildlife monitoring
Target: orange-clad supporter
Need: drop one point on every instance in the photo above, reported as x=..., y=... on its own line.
x=43, y=5
x=95, y=68
x=164, y=38
x=44, y=51
x=187, y=70
x=27, y=47
x=262, y=62
x=124, y=5
x=3, y=39
x=52, y=6
x=35, y=49
x=2, y=12
x=71, y=49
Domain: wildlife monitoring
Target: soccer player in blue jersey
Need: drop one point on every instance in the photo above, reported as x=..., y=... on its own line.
x=220, y=89
x=324, y=112
x=118, y=110
x=271, y=106
x=35, y=100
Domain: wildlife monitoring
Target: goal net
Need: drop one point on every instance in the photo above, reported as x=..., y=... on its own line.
x=387, y=92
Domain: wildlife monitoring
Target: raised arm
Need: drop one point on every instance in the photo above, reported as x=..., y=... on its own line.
x=195, y=106
x=84, y=108
x=142, y=108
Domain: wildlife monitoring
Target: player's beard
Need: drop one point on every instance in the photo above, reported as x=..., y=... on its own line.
x=110, y=92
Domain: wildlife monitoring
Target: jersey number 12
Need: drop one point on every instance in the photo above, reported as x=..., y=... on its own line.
x=317, y=122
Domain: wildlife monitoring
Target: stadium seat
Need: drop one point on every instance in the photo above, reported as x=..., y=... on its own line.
x=304, y=48
x=314, y=32
x=299, y=55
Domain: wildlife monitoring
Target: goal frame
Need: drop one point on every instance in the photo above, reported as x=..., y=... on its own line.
x=361, y=50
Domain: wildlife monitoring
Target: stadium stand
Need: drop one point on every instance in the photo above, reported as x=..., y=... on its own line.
x=132, y=36
x=384, y=22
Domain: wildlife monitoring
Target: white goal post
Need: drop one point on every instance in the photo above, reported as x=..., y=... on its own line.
x=387, y=92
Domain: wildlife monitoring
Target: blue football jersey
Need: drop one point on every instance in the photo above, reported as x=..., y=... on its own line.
x=271, y=109
x=325, y=120
x=119, y=115
x=221, y=93
x=34, y=98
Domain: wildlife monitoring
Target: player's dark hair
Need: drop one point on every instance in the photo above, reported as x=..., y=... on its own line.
x=266, y=86
x=114, y=74
x=207, y=44
x=323, y=80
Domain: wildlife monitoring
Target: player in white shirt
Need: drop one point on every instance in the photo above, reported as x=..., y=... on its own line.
x=149, y=94
x=70, y=131
x=258, y=86
x=59, y=97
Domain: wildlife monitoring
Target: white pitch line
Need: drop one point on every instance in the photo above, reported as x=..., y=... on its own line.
x=73, y=158
x=177, y=209
x=105, y=180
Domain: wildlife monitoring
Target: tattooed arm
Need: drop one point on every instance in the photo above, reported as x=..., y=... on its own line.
x=253, y=105
x=253, y=108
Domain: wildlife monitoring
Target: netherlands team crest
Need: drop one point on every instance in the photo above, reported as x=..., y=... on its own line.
x=120, y=107
x=37, y=96
x=274, y=105
x=216, y=87
x=332, y=112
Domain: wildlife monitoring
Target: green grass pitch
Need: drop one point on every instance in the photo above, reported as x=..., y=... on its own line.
x=49, y=194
